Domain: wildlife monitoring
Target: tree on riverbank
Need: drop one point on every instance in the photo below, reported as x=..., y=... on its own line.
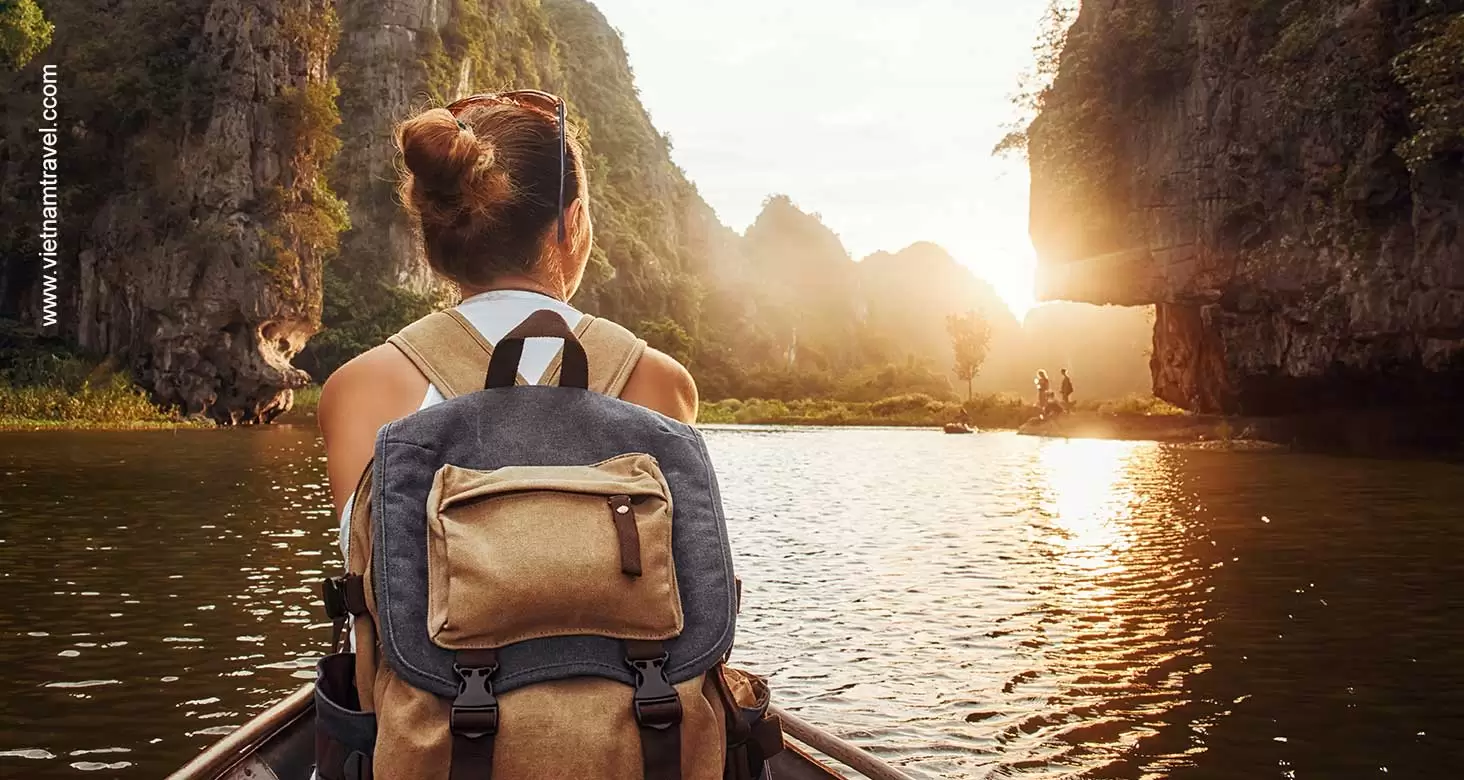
x=970, y=336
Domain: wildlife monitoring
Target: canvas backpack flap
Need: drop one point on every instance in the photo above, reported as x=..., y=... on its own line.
x=524, y=552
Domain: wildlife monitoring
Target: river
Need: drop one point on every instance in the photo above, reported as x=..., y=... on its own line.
x=965, y=606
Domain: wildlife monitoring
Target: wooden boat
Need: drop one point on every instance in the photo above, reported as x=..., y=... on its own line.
x=279, y=744
x=958, y=428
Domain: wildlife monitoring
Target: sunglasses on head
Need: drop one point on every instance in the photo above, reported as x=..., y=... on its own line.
x=531, y=98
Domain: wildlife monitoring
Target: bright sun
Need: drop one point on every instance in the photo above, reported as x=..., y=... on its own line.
x=1018, y=293
x=1009, y=266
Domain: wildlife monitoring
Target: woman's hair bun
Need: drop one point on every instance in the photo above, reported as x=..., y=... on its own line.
x=483, y=187
x=446, y=158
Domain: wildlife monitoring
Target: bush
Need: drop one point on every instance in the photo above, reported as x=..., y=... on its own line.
x=910, y=409
x=24, y=33
x=112, y=399
x=43, y=382
x=1139, y=404
x=904, y=404
x=1432, y=72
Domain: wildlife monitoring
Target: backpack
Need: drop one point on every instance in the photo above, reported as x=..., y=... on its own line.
x=539, y=581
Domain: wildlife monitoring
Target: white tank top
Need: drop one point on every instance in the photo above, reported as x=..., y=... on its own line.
x=493, y=314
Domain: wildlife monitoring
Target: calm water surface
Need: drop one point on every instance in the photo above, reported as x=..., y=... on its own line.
x=966, y=606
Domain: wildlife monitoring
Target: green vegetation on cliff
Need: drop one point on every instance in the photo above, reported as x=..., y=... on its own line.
x=305, y=216
x=147, y=92
x=1088, y=77
x=1431, y=69
x=24, y=33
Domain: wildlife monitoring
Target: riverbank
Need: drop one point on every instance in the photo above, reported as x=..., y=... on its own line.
x=1429, y=432
x=1002, y=411
x=46, y=385
x=100, y=401
x=911, y=410
x=1133, y=426
x=915, y=410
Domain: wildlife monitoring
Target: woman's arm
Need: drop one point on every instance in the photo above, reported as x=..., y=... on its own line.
x=372, y=390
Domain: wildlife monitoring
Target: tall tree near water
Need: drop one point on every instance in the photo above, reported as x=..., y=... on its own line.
x=970, y=336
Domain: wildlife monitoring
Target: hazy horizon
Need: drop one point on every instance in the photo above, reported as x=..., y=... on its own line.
x=879, y=118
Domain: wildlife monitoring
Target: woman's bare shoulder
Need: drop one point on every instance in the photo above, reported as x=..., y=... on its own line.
x=374, y=388
x=661, y=383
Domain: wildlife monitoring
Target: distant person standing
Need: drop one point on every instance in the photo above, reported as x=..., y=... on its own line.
x=1044, y=389
x=1067, y=390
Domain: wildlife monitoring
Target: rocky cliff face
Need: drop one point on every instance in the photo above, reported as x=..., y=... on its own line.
x=380, y=68
x=1285, y=181
x=195, y=215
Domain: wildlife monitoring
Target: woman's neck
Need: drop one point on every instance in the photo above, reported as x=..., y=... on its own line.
x=517, y=284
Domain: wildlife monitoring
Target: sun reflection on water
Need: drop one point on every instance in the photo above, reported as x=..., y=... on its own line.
x=1088, y=495
x=1114, y=607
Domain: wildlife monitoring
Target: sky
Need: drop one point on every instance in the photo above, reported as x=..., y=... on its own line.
x=878, y=115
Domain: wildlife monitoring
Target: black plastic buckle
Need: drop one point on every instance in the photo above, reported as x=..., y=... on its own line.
x=475, y=710
x=333, y=594
x=656, y=704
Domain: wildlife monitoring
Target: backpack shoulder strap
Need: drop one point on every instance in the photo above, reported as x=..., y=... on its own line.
x=454, y=356
x=448, y=350
x=613, y=353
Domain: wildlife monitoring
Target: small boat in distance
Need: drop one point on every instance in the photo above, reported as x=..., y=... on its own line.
x=958, y=428
x=279, y=744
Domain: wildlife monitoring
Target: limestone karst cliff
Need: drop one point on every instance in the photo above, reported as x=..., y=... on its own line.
x=194, y=211
x=1285, y=180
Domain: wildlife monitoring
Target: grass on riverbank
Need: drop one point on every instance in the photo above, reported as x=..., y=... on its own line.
x=307, y=401
x=1146, y=405
x=1002, y=410
x=45, y=386
x=46, y=390
x=110, y=401
x=914, y=409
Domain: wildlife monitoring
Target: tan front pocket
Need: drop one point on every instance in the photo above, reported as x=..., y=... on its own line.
x=533, y=551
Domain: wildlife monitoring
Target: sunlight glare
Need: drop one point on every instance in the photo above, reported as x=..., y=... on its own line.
x=1089, y=499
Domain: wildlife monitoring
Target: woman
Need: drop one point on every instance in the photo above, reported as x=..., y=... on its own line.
x=1044, y=390
x=485, y=181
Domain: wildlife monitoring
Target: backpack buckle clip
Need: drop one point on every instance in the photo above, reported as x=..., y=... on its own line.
x=475, y=710
x=656, y=704
x=333, y=595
